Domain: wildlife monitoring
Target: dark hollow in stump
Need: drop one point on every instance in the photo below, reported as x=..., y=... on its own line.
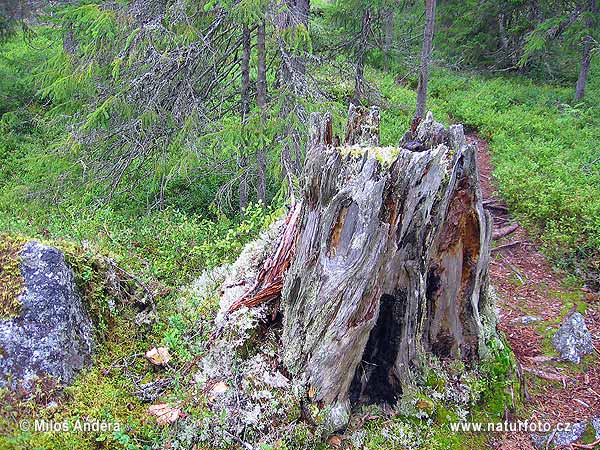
x=390, y=264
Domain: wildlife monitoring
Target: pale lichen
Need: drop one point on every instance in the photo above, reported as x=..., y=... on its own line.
x=384, y=155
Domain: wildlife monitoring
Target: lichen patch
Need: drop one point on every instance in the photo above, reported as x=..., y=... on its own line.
x=385, y=155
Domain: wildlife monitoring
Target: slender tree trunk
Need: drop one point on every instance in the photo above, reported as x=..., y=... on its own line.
x=302, y=14
x=294, y=67
x=360, y=56
x=389, y=36
x=425, y=58
x=261, y=100
x=587, y=53
x=245, y=67
x=293, y=79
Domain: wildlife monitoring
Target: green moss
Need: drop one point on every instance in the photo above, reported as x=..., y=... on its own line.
x=11, y=281
x=589, y=436
x=435, y=381
x=96, y=281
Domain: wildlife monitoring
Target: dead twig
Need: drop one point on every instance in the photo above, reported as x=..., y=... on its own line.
x=505, y=246
x=550, y=439
x=238, y=440
x=545, y=375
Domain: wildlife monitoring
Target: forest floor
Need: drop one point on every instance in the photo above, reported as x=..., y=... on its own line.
x=529, y=287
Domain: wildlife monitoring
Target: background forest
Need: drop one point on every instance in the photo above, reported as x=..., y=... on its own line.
x=167, y=117
x=167, y=134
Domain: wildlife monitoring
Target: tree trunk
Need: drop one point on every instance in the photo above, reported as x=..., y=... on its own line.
x=425, y=58
x=360, y=56
x=587, y=53
x=292, y=76
x=388, y=37
x=261, y=100
x=390, y=263
x=245, y=102
x=293, y=68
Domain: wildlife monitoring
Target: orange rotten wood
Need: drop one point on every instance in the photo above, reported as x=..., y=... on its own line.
x=269, y=282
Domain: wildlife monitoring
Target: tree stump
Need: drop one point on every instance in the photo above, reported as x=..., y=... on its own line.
x=390, y=264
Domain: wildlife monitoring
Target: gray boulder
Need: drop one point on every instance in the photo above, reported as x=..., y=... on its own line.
x=53, y=335
x=573, y=340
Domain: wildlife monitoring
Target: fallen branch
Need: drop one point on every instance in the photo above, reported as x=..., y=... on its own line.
x=269, y=282
x=502, y=247
x=550, y=439
x=544, y=375
x=505, y=231
x=497, y=207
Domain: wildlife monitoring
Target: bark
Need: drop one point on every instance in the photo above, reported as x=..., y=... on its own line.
x=261, y=100
x=245, y=94
x=586, y=59
x=390, y=264
x=425, y=58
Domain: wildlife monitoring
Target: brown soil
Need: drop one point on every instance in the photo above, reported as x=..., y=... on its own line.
x=527, y=285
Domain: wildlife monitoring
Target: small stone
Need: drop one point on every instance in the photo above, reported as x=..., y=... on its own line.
x=562, y=438
x=526, y=320
x=596, y=426
x=338, y=417
x=573, y=340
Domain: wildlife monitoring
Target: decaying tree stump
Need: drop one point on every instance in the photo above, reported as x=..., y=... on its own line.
x=380, y=269
x=390, y=264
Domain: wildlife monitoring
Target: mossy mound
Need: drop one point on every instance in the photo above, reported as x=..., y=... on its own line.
x=106, y=392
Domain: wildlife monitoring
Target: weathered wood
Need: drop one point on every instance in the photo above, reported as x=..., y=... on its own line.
x=390, y=265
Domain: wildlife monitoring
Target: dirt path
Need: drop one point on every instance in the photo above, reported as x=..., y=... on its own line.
x=528, y=286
